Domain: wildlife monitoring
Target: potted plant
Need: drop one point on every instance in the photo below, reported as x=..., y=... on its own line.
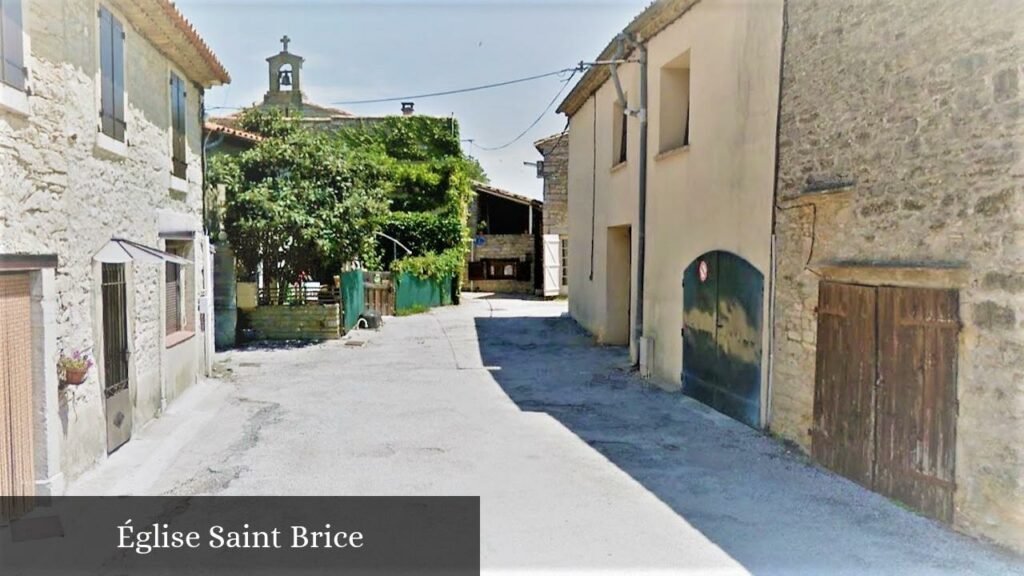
x=75, y=367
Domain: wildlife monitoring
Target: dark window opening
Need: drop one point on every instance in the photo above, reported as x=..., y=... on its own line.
x=500, y=269
x=620, y=134
x=501, y=216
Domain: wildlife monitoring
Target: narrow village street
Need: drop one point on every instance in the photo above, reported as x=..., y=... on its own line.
x=579, y=464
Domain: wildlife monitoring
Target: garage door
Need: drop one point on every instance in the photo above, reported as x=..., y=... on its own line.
x=722, y=310
x=885, y=391
x=17, y=477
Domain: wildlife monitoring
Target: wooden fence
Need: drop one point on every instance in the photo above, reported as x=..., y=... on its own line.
x=379, y=292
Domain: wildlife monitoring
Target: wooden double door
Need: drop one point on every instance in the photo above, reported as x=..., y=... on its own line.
x=885, y=402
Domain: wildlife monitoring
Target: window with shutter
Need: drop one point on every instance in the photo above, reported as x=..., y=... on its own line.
x=12, y=50
x=504, y=269
x=173, y=299
x=178, y=116
x=111, y=75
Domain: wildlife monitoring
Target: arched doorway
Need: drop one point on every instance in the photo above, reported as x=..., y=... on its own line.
x=722, y=327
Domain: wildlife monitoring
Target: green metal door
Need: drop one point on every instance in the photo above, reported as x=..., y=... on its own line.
x=722, y=328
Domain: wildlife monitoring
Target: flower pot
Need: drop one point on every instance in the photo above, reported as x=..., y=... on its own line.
x=75, y=376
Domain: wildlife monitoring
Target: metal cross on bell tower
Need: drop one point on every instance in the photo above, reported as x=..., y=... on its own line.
x=286, y=41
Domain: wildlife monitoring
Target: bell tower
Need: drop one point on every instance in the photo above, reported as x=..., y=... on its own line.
x=285, y=78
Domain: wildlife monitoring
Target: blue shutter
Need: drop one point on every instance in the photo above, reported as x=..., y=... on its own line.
x=106, y=75
x=12, y=48
x=117, y=76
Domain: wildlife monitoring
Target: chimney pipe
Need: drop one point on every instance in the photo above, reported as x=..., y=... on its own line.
x=408, y=108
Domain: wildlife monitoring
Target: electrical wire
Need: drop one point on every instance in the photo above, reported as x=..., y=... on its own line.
x=459, y=90
x=435, y=94
x=565, y=84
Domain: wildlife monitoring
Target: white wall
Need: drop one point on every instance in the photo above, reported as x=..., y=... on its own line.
x=715, y=194
x=61, y=195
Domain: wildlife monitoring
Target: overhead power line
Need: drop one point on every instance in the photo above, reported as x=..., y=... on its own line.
x=565, y=84
x=460, y=90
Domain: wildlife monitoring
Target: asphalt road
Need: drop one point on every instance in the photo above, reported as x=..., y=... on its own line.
x=581, y=466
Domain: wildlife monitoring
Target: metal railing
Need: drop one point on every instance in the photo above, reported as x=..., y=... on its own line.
x=300, y=294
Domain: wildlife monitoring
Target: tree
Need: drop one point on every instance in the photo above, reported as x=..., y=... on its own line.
x=300, y=202
x=308, y=202
x=429, y=182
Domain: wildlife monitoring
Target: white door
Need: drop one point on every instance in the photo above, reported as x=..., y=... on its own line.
x=552, y=264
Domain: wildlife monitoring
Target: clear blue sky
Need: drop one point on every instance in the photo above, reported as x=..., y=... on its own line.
x=365, y=49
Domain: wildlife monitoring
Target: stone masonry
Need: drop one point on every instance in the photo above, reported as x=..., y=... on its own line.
x=312, y=322
x=60, y=194
x=909, y=113
x=503, y=246
x=555, y=150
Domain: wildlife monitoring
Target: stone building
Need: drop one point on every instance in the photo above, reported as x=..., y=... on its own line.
x=102, y=245
x=554, y=169
x=507, y=234
x=284, y=93
x=899, y=340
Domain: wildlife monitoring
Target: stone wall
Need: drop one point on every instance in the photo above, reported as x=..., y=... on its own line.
x=517, y=246
x=504, y=246
x=317, y=322
x=60, y=194
x=556, y=184
x=911, y=110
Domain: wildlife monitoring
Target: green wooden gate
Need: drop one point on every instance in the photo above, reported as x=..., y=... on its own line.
x=352, y=297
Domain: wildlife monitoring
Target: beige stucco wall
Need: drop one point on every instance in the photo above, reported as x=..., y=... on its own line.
x=715, y=194
x=61, y=195
x=930, y=130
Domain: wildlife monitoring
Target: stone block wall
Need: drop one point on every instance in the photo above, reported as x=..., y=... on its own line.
x=515, y=246
x=911, y=111
x=556, y=184
x=318, y=322
x=504, y=246
x=60, y=194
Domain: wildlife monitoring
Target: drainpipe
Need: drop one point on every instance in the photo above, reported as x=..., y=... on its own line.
x=642, y=216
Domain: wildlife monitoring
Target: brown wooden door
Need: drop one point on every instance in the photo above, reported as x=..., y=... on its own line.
x=885, y=402
x=844, y=392
x=379, y=293
x=17, y=471
x=917, y=404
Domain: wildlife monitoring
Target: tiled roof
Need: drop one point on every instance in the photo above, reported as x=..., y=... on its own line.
x=229, y=131
x=543, y=143
x=655, y=18
x=488, y=189
x=160, y=22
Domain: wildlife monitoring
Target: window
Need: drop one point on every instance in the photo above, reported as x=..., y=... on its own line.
x=564, y=261
x=499, y=269
x=674, y=114
x=179, y=105
x=175, y=322
x=111, y=76
x=620, y=134
x=179, y=290
x=12, y=50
